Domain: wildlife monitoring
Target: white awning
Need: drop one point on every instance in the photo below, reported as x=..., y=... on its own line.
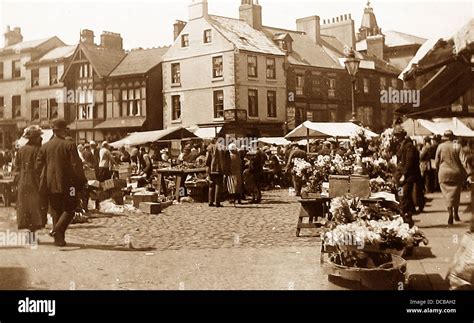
x=205, y=133
x=326, y=130
x=141, y=138
x=455, y=125
x=279, y=141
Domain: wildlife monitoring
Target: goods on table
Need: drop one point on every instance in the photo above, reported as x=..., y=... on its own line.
x=114, y=184
x=461, y=274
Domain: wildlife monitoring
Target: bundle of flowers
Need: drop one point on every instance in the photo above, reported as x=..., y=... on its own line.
x=359, y=139
x=383, y=234
x=301, y=167
x=381, y=185
x=325, y=166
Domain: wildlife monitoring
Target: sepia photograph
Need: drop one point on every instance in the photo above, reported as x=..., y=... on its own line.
x=237, y=145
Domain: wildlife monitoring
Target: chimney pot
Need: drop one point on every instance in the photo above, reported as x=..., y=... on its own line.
x=111, y=40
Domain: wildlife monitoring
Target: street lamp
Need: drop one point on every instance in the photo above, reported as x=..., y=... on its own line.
x=352, y=66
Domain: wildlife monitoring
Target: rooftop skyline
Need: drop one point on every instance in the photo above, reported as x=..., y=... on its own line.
x=137, y=21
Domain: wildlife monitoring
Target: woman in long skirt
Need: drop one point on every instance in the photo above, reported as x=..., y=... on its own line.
x=31, y=213
x=234, y=179
x=451, y=174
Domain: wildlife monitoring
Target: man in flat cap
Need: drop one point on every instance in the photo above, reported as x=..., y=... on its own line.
x=63, y=177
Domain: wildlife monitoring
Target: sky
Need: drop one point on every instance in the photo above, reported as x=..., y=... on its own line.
x=149, y=23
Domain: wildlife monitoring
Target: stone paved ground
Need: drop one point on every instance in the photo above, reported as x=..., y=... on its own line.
x=197, y=226
x=190, y=246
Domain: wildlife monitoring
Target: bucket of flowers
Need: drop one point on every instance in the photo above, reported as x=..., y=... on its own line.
x=362, y=242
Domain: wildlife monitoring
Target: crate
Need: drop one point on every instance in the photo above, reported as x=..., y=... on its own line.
x=338, y=186
x=140, y=198
x=124, y=171
x=150, y=208
x=114, y=184
x=360, y=186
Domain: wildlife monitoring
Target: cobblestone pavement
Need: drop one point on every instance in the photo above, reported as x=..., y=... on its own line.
x=197, y=226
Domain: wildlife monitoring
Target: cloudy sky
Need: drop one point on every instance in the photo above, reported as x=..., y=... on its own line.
x=148, y=23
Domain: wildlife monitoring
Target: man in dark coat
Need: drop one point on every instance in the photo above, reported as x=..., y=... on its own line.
x=62, y=179
x=95, y=157
x=408, y=174
x=217, y=163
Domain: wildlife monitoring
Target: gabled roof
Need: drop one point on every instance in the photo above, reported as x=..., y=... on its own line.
x=140, y=61
x=26, y=45
x=58, y=53
x=305, y=51
x=103, y=60
x=243, y=36
x=394, y=39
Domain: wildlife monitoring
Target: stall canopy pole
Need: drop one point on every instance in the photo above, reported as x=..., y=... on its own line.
x=307, y=140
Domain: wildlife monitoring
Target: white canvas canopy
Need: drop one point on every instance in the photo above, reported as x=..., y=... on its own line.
x=455, y=125
x=141, y=138
x=279, y=141
x=326, y=130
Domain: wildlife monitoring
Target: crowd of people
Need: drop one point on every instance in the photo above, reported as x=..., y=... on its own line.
x=52, y=176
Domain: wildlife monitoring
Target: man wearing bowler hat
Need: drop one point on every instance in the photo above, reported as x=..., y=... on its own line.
x=63, y=177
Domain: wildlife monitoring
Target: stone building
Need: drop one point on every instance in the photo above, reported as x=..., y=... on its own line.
x=225, y=73
x=111, y=92
x=15, y=108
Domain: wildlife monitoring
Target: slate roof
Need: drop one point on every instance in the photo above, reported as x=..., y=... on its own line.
x=243, y=36
x=26, y=45
x=306, y=52
x=102, y=59
x=58, y=53
x=139, y=61
x=394, y=39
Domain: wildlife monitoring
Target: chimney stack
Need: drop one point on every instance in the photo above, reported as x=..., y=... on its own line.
x=111, y=40
x=375, y=46
x=87, y=37
x=178, y=28
x=13, y=37
x=311, y=26
x=251, y=12
x=198, y=9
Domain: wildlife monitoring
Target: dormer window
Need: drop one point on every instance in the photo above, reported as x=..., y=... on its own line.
x=284, y=41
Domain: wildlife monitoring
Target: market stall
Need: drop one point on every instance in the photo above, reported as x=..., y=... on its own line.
x=142, y=138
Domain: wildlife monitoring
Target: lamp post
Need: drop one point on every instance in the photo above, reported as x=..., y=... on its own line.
x=352, y=66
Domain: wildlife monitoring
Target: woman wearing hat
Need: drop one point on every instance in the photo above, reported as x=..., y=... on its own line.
x=234, y=179
x=31, y=213
x=451, y=173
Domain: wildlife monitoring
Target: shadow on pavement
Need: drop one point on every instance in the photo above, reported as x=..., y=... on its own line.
x=427, y=282
x=82, y=246
x=421, y=253
x=14, y=278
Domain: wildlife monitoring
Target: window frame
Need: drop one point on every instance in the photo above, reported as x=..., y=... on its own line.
x=33, y=108
x=14, y=69
x=250, y=66
x=214, y=70
x=207, y=36
x=273, y=70
x=50, y=114
x=272, y=110
x=2, y=107
x=2, y=72
x=184, y=40
x=218, y=105
x=52, y=68
x=35, y=78
x=174, y=115
x=366, y=85
x=253, y=107
x=16, y=115
x=177, y=80
x=299, y=88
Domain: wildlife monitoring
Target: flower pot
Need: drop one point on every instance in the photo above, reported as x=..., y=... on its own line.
x=380, y=278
